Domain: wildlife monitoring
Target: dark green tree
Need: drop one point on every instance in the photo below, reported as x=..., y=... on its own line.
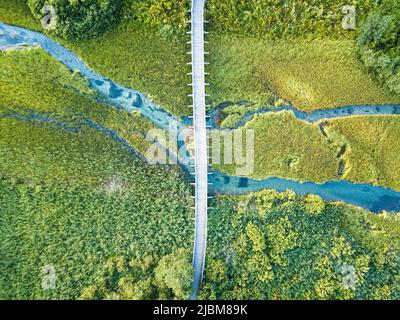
x=379, y=44
x=78, y=19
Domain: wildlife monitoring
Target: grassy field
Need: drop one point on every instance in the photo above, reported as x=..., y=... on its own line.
x=96, y=220
x=271, y=245
x=373, y=148
x=318, y=74
x=310, y=74
x=289, y=148
x=37, y=153
x=16, y=12
x=114, y=227
x=315, y=74
x=141, y=61
x=358, y=149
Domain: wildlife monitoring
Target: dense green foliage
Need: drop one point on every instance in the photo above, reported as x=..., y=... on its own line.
x=80, y=19
x=76, y=199
x=273, y=245
x=315, y=18
x=379, y=44
x=277, y=19
x=77, y=231
x=90, y=202
x=115, y=228
x=142, y=279
x=168, y=18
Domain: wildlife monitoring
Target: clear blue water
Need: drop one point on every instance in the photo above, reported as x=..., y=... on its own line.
x=317, y=115
x=364, y=195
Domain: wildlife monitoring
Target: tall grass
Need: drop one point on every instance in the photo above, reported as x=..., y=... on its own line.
x=287, y=147
x=318, y=74
x=74, y=200
x=142, y=61
x=360, y=149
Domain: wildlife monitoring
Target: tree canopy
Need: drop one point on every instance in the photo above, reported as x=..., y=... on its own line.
x=379, y=44
x=79, y=19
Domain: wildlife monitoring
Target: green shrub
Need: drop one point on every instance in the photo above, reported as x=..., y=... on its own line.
x=143, y=279
x=280, y=246
x=167, y=17
x=82, y=19
x=379, y=44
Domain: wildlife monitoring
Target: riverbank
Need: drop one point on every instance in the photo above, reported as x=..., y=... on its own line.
x=130, y=55
x=311, y=74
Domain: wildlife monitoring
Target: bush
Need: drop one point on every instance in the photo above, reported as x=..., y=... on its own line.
x=81, y=19
x=167, y=17
x=275, y=248
x=379, y=44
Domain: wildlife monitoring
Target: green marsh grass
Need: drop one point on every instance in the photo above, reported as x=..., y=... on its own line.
x=311, y=74
x=360, y=149
x=279, y=246
x=76, y=200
